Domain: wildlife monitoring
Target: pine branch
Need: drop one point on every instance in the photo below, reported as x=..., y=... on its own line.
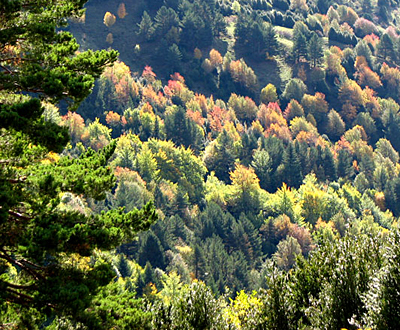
x=18, y=297
x=23, y=266
x=20, y=287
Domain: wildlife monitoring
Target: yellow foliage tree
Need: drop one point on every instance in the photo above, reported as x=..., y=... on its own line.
x=243, y=311
x=109, y=19
x=268, y=94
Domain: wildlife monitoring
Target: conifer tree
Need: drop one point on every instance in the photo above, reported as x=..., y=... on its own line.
x=314, y=50
x=151, y=251
x=386, y=47
x=198, y=260
x=165, y=19
x=39, y=239
x=329, y=165
x=145, y=26
x=292, y=167
x=223, y=160
x=344, y=164
x=270, y=40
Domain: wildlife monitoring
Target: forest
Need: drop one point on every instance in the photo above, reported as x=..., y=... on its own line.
x=199, y=164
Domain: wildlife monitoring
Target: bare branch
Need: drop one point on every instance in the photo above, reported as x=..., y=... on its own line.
x=19, y=216
x=27, y=262
x=20, y=287
x=19, y=297
x=21, y=180
x=6, y=69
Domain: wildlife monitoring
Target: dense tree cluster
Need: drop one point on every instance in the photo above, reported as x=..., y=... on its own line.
x=267, y=137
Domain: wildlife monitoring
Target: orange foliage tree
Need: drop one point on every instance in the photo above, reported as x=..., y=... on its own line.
x=113, y=119
x=217, y=118
x=75, y=124
x=364, y=75
x=122, y=10
x=391, y=78
x=351, y=97
x=215, y=58
x=243, y=74
x=110, y=38
x=148, y=74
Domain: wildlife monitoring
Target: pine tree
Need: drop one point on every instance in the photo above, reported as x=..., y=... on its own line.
x=199, y=262
x=41, y=243
x=299, y=47
x=223, y=160
x=291, y=167
x=146, y=29
x=315, y=49
x=344, y=164
x=151, y=250
x=329, y=165
x=182, y=130
x=270, y=40
x=386, y=47
x=262, y=166
x=174, y=57
x=165, y=19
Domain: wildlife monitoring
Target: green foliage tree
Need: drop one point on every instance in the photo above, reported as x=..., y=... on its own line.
x=195, y=308
x=145, y=27
x=261, y=36
x=275, y=308
x=40, y=239
x=294, y=89
x=165, y=19
x=197, y=30
x=383, y=300
x=336, y=125
x=300, y=36
x=223, y=159
x=182, y=130
x=174, y=57
x=285, y=256
x=386, y=47
x=128, y=312
x=270, y=40
x=151, y=250
x=292, y=167
x=262, y=166
x=362, y=49
x=315, y=51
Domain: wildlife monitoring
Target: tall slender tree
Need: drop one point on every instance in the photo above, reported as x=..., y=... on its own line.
x=315, y=51
x=292, y=167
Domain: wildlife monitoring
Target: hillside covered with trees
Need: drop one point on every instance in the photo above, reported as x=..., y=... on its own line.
x=236, y=167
